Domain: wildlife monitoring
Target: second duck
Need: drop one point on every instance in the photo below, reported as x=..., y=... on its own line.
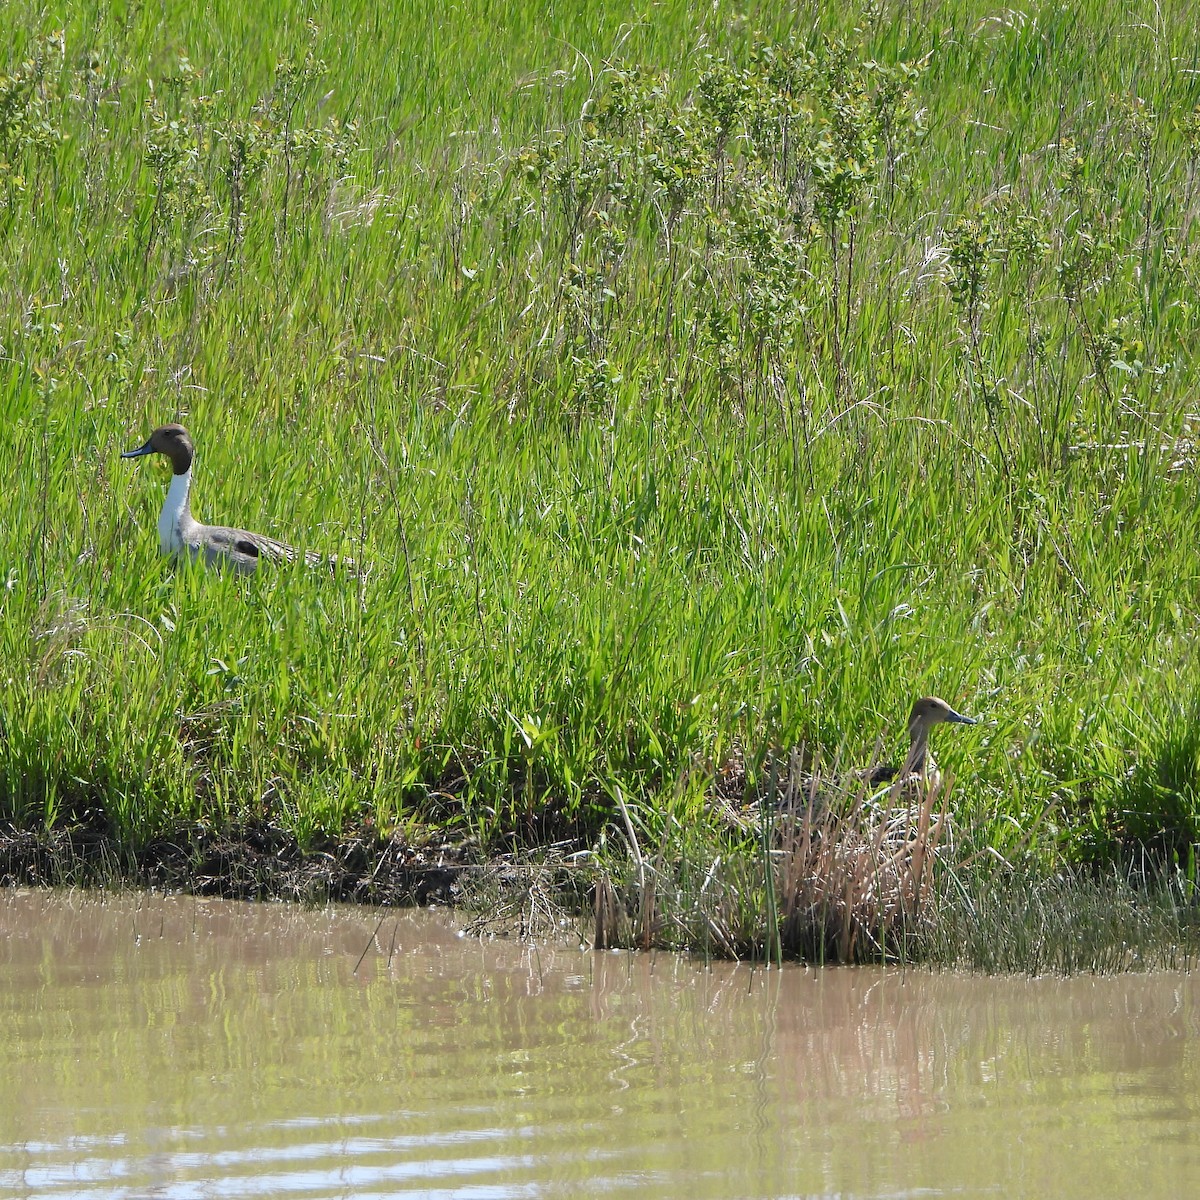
x=918, y=764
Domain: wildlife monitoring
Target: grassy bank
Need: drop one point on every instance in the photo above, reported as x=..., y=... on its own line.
x=695, y=385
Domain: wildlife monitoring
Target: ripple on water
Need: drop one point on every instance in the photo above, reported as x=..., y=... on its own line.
x=170, y=1047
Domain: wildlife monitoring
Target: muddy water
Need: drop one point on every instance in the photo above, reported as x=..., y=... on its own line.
x=170, y=1047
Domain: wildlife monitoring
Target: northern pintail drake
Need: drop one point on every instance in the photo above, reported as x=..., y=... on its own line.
x=918, y=765
x=181, y=535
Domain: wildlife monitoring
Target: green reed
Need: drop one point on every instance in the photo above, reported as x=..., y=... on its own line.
x=695, y=385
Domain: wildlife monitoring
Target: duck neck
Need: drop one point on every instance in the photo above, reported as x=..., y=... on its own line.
x=918, y=760
x=175, y=514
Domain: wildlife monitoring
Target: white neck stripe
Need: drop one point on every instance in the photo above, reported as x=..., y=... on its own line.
x=170, y=538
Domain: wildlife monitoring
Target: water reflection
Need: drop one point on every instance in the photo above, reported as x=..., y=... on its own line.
x=174, y=1047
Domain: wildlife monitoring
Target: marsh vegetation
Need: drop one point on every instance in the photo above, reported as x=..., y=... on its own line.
x=697, y=385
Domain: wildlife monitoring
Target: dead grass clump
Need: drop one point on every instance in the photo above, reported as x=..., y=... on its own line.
x=854, y=869
x=533, y=896
x=818, y=865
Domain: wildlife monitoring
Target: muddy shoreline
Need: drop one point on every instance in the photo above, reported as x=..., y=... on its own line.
x=997, y=923
x=259, y=862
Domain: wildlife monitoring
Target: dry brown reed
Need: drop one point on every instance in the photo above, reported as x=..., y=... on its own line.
x=820, y=866
x=854, y=868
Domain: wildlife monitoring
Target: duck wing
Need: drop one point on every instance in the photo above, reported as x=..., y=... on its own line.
x=222, y=546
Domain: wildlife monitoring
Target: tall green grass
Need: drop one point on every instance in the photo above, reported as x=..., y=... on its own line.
x=694, y=383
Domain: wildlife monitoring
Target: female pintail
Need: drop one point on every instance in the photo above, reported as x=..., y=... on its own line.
x=796, y=788
x=926, y=713
x=181, y=535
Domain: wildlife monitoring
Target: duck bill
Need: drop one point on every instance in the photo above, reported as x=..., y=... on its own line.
x=146, y=449
x=956, y=718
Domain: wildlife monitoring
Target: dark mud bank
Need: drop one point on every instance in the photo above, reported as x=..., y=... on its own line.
x=259, y=862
